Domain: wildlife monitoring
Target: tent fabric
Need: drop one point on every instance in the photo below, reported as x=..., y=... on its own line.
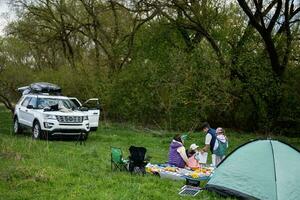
x=287, y=162
x=261, y=169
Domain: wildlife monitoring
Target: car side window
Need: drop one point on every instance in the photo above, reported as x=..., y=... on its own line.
x=33, y=102
x=26, y=101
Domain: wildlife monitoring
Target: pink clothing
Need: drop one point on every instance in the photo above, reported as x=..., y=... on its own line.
x=193, y=163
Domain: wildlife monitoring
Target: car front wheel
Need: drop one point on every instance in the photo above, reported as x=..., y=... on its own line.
x=17, y=127
x=36, y=131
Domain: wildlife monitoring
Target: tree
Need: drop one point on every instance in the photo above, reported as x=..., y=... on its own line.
x=108, y=28
x=196, y=20
x=14, y=67
x=274, y=20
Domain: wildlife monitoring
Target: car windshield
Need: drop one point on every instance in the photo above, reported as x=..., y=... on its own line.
x=48, y=102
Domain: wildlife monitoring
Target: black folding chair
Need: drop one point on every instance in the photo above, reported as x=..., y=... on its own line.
x=137, y=160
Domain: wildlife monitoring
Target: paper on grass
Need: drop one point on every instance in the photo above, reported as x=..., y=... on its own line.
x=202, y=157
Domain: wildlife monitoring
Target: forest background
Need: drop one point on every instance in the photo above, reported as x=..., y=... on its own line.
x=164, y=64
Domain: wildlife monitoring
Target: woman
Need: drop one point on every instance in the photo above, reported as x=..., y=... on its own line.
x=177, y=153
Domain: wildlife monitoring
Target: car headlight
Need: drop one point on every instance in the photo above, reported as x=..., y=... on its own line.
x=47, y=116
x=85, y=118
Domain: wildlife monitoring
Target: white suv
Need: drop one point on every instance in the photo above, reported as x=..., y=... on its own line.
x=48, y=115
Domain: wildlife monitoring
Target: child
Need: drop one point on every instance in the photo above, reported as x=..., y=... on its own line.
x=193, y=163
x=221, y=145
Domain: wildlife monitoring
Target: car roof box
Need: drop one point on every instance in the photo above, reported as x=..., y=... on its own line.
x=40, y=87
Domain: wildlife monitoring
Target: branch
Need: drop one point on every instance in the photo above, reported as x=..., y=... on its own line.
x=7, y=103
x=295, y=12
x=201, y=29
x=116, y=20
x=289, y=37
x=275, y=16
x=258, y=12
x=252, y=18
x=132, y=35
x=271, y=5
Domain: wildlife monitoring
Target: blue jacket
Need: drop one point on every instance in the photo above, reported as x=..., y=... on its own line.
x=212, y=132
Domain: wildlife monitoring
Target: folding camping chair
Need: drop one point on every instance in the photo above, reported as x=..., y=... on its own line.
x=117, y=161
x=137, y=161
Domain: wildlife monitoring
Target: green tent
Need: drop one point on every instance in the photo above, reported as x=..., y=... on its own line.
x=260, y=169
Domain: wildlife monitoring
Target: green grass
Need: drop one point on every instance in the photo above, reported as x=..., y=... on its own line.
x=62, y=170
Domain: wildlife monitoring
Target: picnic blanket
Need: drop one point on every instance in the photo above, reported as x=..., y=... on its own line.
x=175, y=173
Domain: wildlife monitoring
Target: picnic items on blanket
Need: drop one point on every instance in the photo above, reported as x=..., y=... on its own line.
x=175, y=173
x=171, y=175
x=202, y=157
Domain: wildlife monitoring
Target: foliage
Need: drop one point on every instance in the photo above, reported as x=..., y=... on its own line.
x=163, y=64
x=170, y=87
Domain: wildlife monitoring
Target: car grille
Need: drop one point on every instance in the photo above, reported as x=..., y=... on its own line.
x=70, y=119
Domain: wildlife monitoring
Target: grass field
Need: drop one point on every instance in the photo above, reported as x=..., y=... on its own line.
x=63, y=170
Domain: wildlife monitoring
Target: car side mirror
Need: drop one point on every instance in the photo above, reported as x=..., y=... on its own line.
x=30, y=106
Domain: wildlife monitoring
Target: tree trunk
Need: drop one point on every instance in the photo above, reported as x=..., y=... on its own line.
x=7, y=103
x=277, y=68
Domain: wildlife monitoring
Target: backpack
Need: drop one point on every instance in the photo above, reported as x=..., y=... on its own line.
x=222, y=148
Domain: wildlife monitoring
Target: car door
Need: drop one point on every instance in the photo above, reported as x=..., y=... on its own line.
x=93, y=112
x=23, y=110
x=29, y=113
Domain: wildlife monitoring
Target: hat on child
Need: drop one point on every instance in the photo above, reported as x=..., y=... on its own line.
x=219, y=130
x=193, y=146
